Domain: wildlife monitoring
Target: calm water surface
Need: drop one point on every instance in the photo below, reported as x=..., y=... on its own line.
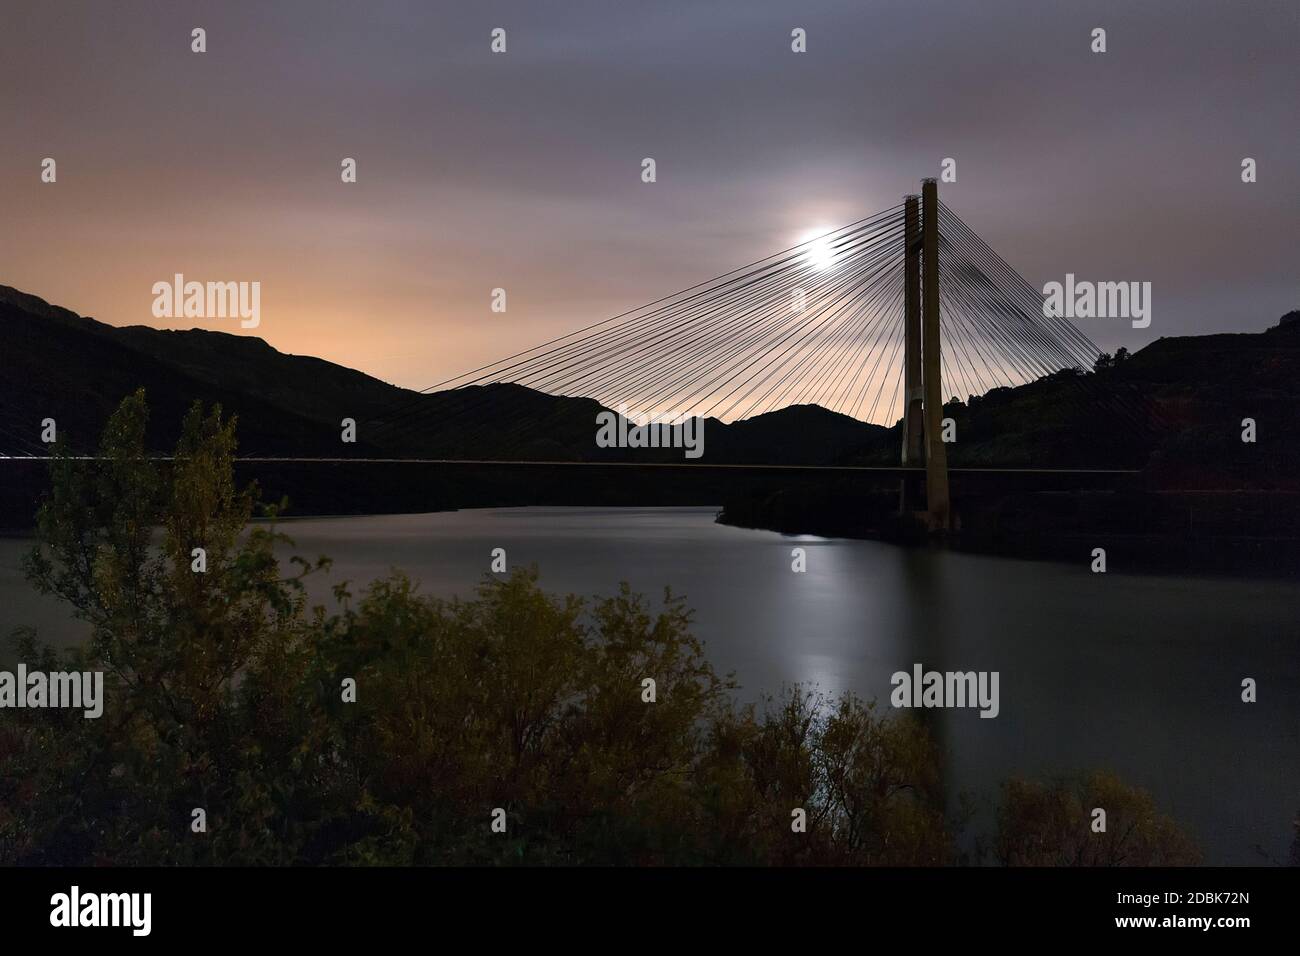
x=1136, y=674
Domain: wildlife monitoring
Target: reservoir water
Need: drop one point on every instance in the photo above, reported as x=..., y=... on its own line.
x=1140, y=675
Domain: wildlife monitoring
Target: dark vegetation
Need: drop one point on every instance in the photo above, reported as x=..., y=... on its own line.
x=1173, y=409
x=224, y=691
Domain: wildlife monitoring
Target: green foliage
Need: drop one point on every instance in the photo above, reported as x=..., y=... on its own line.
x=870, y=786
x=224, y=690
x=117, y=534
x=1050, y=825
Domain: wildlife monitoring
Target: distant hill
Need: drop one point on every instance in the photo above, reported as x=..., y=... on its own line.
x=1174, y=408
x=75, y=369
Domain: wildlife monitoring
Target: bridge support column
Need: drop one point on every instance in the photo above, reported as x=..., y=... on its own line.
x=913, y=393
x=936, y=456
x=913, y=451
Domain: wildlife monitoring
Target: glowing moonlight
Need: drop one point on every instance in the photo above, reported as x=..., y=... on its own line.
x=818, y=251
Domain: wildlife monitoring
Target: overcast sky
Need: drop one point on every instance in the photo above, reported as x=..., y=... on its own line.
x=522, y=170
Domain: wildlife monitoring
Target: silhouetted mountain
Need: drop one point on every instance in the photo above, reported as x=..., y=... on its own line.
x=1175, y=407
x=302, y=384
x=75, y=370
x=797, y=434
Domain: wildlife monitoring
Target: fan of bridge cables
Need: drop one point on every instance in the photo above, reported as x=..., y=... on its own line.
x=820, y=322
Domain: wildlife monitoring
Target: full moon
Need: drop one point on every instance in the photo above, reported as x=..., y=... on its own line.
x=818, y=251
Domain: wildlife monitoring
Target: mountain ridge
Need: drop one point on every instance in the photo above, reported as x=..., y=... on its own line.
x=293, y=404
x=1175, y=408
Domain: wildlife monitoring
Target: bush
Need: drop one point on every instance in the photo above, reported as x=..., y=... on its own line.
x=1051, y=825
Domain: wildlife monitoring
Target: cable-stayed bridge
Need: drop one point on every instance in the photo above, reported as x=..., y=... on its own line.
x=881, y=321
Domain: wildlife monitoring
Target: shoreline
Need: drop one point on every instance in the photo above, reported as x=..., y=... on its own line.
x=1219, y=533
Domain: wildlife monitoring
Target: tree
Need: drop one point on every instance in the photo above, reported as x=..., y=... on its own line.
x=1052, y=825
x=1106, y=361
x=172, y=641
